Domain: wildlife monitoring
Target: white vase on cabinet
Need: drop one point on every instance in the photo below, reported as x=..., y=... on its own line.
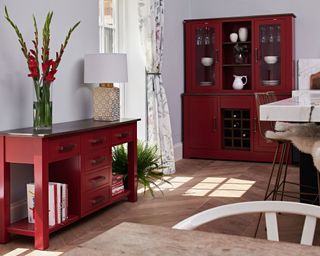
x=243, y=34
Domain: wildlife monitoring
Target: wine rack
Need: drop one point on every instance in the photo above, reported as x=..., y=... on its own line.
x=236, y=129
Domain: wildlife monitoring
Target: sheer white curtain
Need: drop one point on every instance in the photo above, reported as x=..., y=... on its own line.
x=151, y=21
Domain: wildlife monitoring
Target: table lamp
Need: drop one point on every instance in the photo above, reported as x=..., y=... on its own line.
x=105, y=69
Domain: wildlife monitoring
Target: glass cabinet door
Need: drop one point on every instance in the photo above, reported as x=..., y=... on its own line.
x=269, y=54
x=205, y=57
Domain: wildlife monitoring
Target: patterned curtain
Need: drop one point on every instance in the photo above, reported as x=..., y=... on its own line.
x=151, y=22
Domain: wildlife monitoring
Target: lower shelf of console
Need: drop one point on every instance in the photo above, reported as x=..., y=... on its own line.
x=23, y=227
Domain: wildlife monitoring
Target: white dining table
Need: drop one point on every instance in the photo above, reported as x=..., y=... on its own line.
x=140, y=240
x=303, y=106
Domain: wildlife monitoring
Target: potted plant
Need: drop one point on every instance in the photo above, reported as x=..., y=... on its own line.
x=149, y=169
x=240, y=52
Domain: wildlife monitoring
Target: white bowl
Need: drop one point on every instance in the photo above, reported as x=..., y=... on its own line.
x=206, y=61
x=271, y=59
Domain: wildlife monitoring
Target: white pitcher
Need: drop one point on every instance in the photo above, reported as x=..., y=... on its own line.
x=238, y=82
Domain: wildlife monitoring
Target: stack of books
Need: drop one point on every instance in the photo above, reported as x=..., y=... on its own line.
x=57, y=202
x=117, y=184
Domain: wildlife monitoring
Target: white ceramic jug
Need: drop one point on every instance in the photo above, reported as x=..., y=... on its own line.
x=238, y=82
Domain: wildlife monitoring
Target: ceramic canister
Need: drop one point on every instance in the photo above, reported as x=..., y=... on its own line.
x=243, y=34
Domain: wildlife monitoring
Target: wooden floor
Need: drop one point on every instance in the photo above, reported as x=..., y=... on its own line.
x=196, y=186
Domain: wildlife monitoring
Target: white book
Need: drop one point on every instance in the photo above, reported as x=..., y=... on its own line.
x=51, y=203
x=57, y=201
x=64, y=204
x=30, y=202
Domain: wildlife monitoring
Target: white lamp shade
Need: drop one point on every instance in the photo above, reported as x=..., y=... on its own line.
x=105, y=68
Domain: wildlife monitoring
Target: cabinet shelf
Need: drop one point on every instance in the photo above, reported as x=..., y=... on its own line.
x=232, y=43
x=23, y=227
x=120, y=196
x=236, y=65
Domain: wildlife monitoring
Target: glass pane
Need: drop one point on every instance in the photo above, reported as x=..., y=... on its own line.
x=108, y=13
x=108, y=40
x=205, y=62
x=270, y=52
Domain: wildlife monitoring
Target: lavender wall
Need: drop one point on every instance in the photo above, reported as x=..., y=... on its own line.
x=72, y=99
x=307, y=36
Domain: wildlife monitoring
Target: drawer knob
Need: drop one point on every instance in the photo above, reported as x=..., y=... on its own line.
x=122, y=135
x=97, y=200
x=97, y=141
x=65, y=148
x=98, y=160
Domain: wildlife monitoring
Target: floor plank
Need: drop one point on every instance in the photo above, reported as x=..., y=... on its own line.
x=196, y=186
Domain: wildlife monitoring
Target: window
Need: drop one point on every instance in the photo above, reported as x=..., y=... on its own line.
x=111, y=26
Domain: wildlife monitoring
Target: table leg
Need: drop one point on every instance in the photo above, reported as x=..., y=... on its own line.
x=132, y=168
x=308, y=179
x=41, y=226
x=4, y=194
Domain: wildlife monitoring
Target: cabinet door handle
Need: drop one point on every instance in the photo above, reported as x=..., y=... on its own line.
x=97, y=200
x=254, y=124
x=98, y=160
x=97, y=179
x=65, y=148
x=97, y=141
x=217, y=56
x=214, y=123
x=122, y=135
x=256, y=56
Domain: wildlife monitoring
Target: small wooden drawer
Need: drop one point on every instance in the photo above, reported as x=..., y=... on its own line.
x=97, y=179
x=63, y=148
x=96, y=199
x=97, y=159
x=121, y=135
x=95, y=140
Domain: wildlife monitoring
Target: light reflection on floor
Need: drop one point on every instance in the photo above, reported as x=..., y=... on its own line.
x=210, y=186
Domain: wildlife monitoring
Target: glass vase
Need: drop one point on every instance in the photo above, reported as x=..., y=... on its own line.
x=42, y=107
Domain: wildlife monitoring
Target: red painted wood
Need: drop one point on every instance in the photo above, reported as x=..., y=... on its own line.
x=132, y=166
x=23, y=227
x=201, y=103
x=41, y=178
x=4, y=193
x=201, y=124
x=193, y=62
x=69, y=166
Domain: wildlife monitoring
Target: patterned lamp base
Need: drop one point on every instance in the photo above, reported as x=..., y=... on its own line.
x=106, y=104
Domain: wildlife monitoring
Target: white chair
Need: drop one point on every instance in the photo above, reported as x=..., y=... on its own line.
x=270, y=208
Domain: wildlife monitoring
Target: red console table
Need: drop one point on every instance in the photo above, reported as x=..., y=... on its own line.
x=76, y=153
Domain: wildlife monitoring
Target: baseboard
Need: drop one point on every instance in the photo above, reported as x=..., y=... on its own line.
x=177, y=151
x=19, y=210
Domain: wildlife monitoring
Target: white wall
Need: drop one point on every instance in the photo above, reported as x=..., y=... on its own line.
x=307, y=12
x=71, y=99
x=173, y=61
x=135, y=92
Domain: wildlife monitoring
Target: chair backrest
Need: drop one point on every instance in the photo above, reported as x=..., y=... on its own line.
x=261, y=99
x=270, y=208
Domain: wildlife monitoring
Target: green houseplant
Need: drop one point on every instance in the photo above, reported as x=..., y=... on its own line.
x=149, y=169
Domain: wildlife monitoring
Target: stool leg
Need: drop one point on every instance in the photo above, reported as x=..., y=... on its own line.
x=279, y=174
x=266, y=195
x=318, y=182
x=286, y=168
